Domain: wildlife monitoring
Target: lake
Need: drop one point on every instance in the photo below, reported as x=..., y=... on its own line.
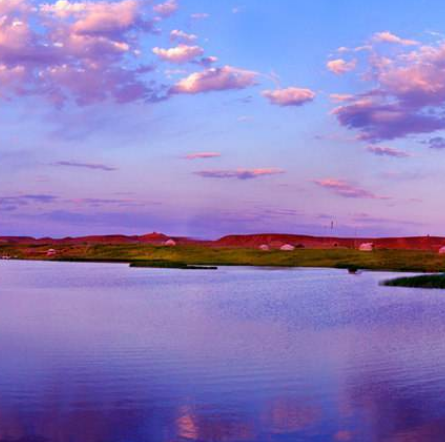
x=105, y=353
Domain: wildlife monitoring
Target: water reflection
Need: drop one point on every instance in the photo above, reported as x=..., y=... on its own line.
x=108, y=354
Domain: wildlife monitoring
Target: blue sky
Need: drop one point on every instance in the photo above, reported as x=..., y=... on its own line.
x=204, y=118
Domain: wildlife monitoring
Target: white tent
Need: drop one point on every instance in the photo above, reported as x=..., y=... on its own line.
x=442, y=251
x=287, y=248
x=366, y=247
x=170, y=243
x=264, y=247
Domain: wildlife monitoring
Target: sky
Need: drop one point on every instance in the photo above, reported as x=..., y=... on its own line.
x=210, y=117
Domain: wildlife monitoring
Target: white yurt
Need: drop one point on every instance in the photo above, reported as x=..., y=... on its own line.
x=442, y=251
x=170, y=243
x=366, y=247
x=264, y=247
x=287, y=248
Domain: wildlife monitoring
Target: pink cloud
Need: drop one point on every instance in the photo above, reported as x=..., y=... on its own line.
x=347, y=190
x=291, y=96
x=240, y=174
x=202, y=155
x=378, y=120
x=167, y=8
x=179, y=54
x=109, y=19
x=406, y=94
x=389, y=37
x=340, y=66
x=100, y=18
x=215, y=79
x=387, y=151
x=183, y=37
x=82, y=51
x=341, y=97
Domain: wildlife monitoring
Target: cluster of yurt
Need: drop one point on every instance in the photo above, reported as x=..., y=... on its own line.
x=51, y=252
x=366, y=247
x=287, y=248
x=284, y=247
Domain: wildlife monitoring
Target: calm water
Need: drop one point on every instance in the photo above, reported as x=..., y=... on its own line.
x=105, y=353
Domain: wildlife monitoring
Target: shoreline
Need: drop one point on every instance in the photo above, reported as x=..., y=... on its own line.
x=412, y=261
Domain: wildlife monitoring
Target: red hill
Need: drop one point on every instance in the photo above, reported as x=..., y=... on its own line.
x=320, y=242
x=273, y=240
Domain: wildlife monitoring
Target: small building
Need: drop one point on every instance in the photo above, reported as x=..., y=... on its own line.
x=264, y=247
x=6, y=257
x=287, y=248
x=170, y=243
x=442, y=251
x=366, y=247
x=51, y=252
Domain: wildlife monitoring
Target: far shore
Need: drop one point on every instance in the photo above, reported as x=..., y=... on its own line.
x=196, y=257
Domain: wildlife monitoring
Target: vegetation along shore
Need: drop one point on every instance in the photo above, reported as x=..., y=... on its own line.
x=190, y=256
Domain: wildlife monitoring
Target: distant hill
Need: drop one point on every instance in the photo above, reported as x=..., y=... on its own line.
x=273, y=240
x=150, y=238
x=322, y=242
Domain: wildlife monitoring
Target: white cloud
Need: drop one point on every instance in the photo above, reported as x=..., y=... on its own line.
x=179, y=54
x=291, y=96
x=340, y=66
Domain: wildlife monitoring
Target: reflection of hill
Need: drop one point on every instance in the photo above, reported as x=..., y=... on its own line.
x=59, y=421
x=286, y=415
x=203, y=425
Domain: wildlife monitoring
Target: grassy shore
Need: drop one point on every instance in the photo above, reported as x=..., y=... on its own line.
x=422, y=281
x=153, y=256
x=165, y=264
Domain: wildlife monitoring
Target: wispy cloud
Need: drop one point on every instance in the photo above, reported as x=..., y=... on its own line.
x=11, y=203
x=346, y=189
x=365, y=218
x=93, y=166
x=202, y=155
x=240, y=174
x=387, y=151
x=396, y=175
x=435, y=143
x=103, y=202
x=340, y=98
x=389, y=37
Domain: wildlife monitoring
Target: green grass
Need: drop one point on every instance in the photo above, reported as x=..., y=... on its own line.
x=148, y=255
